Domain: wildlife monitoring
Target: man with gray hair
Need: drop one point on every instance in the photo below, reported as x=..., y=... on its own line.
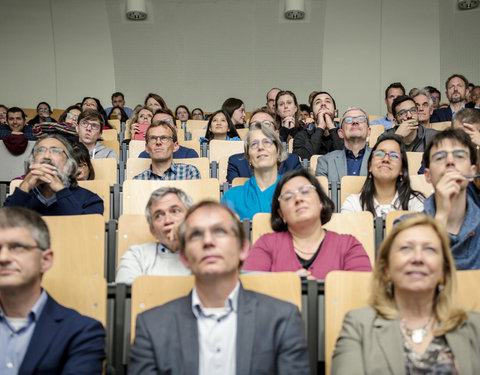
x=165, y=210
x=38, y=335
x=352, y=160
x=424, y=104
x=50, y=185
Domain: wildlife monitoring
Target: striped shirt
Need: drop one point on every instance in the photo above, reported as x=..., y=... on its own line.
x=176, y=171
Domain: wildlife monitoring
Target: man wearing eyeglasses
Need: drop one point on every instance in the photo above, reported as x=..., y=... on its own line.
x=219, y=328
x=407, y=125
x=450, y=164
x=160, y=143
x=38, y=335
x=89, y=128
x=50, y=186
x=165, y=210
x=352, y=159
x=182, y=152
x=238, y=165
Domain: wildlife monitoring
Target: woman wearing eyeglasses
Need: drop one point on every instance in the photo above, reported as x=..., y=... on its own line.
x=387, y=187
x=43, y=114
x=300, y=244
x=70, y=115
x=264, y=152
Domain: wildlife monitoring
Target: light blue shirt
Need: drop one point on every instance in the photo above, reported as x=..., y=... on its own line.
x=385, y=121
x=14, y=341
x=217, y=335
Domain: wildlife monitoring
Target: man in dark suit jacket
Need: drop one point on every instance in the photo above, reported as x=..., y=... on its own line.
x=37, y=335
x=238, y=165
x=219, y=325
x=456, y=89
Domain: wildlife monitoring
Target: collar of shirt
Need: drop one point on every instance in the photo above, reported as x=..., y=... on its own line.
x=231, y=304
x=34, y=313
x=163, y=249
x=453, y=112
x=350, y=155
x=47, y=202
x=171, y=169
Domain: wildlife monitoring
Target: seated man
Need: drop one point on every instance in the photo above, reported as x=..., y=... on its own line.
x=321, y=137
x=424, y=104
x=238, y=165
x=456, y=89
x=165, y=210
x=393, y=91
x=353, y=159
x=407, y=126
x=89, y=129
x=161, y=143
x=118, y=100
x=219, y=328
x=182, y=152
x=38, y=335
x=468, y=119
x=50, y=186
x=450, y=161
x=16, y=124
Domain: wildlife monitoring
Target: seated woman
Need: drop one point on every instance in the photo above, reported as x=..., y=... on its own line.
x=220, y=127
x=413, y=325
x=387, y=187
x=264, y=152
x=154, y=102
x=143, y=116
x=90, y=102
x=3, y=114
x=236, y=110
x=197, y=114
x=118, y=113
x=85, y=170
x=299, y=209
x=182, y=114
x=70, y=115
x=43, y=114
x=288, y=115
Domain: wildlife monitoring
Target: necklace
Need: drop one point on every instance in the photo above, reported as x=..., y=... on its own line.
x=416, y=335
x=304, y=252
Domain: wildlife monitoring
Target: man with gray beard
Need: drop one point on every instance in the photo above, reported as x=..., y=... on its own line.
x=50, y=186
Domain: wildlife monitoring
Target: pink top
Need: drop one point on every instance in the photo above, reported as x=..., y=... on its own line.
x=274, y=252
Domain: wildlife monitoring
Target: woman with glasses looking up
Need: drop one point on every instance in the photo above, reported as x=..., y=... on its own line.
x=300, y=244
x=387, y=187
x=264, y=152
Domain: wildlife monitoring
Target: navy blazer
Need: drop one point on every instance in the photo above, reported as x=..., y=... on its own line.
x=181, y=153
x=238, y=166
x=441, y=115
x=64, y=342
x=270, y=338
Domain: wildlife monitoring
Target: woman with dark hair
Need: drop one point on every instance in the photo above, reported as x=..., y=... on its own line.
x=43, y=114
x=300, y=208
x=154, y=102
x=3, y=114
x=387, y=187
x=118, y=113
x=236, y=110
x=220, y=127
x=288, y=116
x=264, y=152
x=85, y=170
x=70, y=115
x=89, y=102
x=182, y=114
x=197, y=114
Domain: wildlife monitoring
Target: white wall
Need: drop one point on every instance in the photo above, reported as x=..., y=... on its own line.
x=199, y=52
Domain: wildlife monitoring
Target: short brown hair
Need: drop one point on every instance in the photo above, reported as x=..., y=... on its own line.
x=92, y=114
x=165, y=124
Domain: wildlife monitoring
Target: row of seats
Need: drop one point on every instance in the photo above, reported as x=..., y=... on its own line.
x=323, y=304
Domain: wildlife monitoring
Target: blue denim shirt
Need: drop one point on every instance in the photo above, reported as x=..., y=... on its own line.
x=465, y=245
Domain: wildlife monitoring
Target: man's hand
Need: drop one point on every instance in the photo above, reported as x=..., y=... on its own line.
x=42, y=173
x=324, y=119
x=446, y=191
x=407, y=130
x=473, y=133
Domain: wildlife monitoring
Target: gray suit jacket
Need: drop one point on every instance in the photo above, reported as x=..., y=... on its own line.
x=334, y=165
x=270, y=338
x=372, y=345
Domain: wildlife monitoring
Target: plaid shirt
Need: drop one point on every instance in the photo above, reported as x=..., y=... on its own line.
x=176, y=171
